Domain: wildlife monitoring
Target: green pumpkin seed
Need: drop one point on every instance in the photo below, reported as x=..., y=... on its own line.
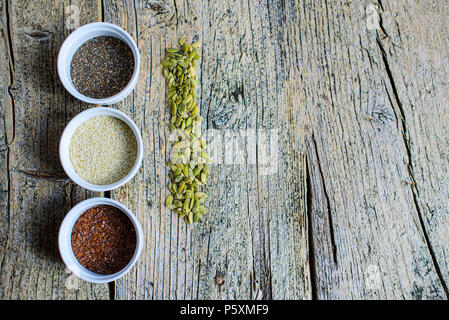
x=194, y=111
x=203, y=177
x=196, y=171
x=181, y=187
x=187, y=99
x=169, y=200
x=181, y=108
x=188, y=172
x=177, y=203
x=196, y=216
x=186, y=204
x=173, y=109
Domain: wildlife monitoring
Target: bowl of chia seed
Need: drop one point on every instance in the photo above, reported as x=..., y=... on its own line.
x=99, y=63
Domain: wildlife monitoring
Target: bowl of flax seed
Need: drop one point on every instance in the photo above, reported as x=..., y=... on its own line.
x=99, y=63
x=100, y=240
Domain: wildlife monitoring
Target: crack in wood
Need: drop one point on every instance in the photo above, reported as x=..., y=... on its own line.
x=10, y=109
x=39, y=35
x=59, y=176
x=136, y=25
x=312, y=261
x=102, y=11
x=326, y=196
x=398, y=105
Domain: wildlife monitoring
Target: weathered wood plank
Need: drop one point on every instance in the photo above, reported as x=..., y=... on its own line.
x=367, y=238
x=415, y=44
x=358, y=88
x=254, y=236
x=6, y=132
x=35, y=115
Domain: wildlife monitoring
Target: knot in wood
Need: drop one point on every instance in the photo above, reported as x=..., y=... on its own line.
x=225, y=116
x=160, y=7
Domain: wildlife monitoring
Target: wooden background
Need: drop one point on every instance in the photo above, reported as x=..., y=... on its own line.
x=358, y=206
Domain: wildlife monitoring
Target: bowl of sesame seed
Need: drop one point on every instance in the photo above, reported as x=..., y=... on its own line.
x=101, y=149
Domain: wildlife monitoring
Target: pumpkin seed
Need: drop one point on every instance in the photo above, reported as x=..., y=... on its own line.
x=188, y=154
x=194, y=110
x=169, y=200
x=203, y=143
x=182, y=107
x=203, y=177
x=178, y=121
x=182, y=184
x=177, y=203
x=196, y=216
x=186, y=204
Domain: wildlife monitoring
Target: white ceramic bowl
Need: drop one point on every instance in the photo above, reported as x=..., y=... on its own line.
x=79, y=37
x=66, y=138
x=65, y=240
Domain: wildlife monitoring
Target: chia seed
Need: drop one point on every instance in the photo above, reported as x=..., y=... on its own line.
x=102, y=67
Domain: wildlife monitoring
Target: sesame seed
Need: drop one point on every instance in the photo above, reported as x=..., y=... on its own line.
x=103, y=150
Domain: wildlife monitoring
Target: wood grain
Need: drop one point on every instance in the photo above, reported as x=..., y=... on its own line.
x=355, y=203
x=365, y=209
x=36, y=193
x=251, y=215
x=416, y=56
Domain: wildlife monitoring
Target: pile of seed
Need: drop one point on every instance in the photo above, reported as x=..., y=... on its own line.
x=103, y=239
x=189, y=161
x=103, y=150
x=102, y=67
